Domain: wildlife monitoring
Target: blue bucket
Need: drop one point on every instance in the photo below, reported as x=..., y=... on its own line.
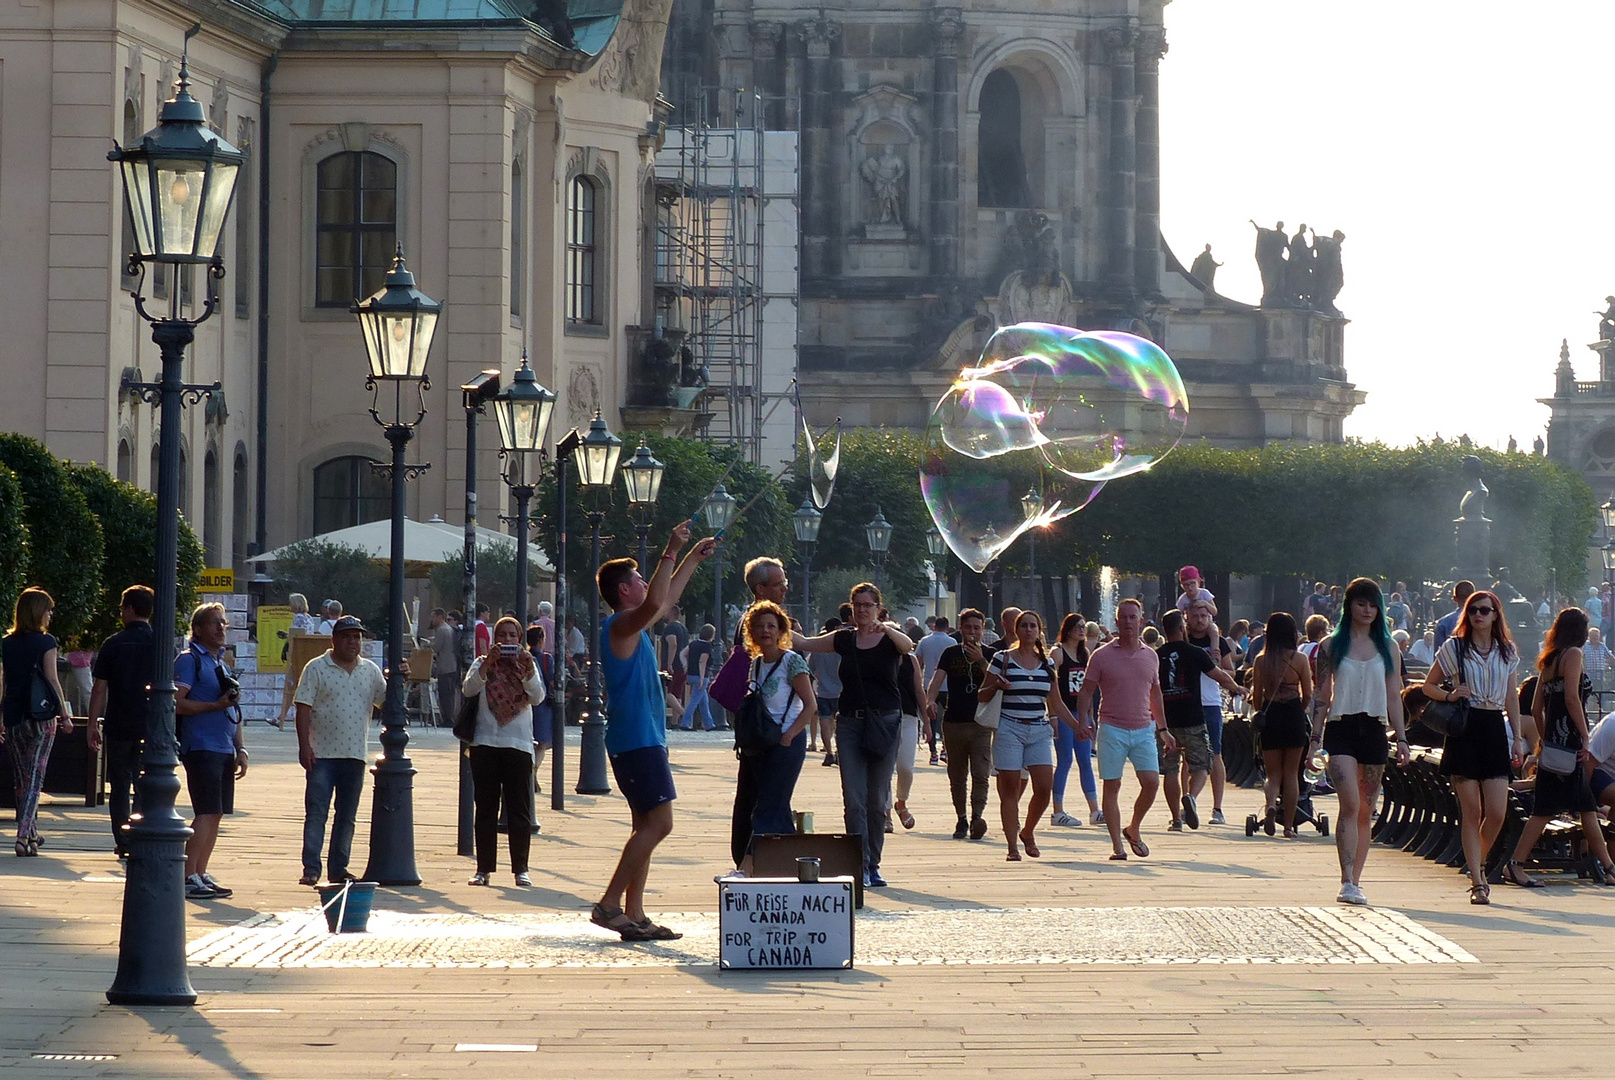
x=347, y=905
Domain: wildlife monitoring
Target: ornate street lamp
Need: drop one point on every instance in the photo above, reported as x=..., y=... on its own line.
x=178, y=182
x=523, y=410
x=806, y=522
x=935, y=546
x=1607, y=514
x=879, y=534
x=596, y=456
x=642, y=477
x=719, y=513
x=1031, y=506
x=397, y=323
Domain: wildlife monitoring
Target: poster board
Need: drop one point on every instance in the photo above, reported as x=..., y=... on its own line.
x=781, y=923
x=274, y=629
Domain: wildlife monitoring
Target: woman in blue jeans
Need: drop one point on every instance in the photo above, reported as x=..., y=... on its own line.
x=701, y=664
x=1071, y=656
x=786, y=686
x=869, y=726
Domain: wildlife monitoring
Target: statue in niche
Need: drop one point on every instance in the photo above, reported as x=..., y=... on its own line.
x=885, y=173
x=1205, y=269
x=1270, y=246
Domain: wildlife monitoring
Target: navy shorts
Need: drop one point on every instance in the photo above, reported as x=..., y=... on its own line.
x=645, y=777
x=828, y=706
x=1600, y=781
x=210, y=779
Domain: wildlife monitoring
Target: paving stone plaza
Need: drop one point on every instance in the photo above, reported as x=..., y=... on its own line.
x=1216, y=956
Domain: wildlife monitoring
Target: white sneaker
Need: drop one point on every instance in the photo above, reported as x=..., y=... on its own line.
x=1217, y=818
x=1065, y=819
x=1351, y=894
x=1096, y=818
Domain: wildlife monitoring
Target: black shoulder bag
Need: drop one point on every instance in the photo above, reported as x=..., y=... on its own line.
x=1449, y=718
x=755, y=727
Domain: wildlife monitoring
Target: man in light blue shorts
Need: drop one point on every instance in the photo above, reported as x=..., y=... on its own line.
x=1127, y=675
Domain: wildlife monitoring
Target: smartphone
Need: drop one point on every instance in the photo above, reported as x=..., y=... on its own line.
x=510, y=650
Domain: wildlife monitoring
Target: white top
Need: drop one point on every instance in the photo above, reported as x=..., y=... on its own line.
x=930, y=649
x=777, y=690
x=1184, y=599
x=1421, y=653
x=340, y=702
x=1359, y=688
x=518, y=733
x=1486, y=674
x=1601, y=740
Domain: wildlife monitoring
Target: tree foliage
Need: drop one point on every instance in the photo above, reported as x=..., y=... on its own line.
x=321, y=570
x=13, y=542
x=693, y=468
x=128, y=518
x=878, y=472
x=496, y=576
x=66, y=548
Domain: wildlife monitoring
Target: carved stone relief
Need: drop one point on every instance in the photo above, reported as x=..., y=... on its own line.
x=582, y=396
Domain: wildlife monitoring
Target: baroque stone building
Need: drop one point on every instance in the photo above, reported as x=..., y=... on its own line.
x=1581, y=425
x=508, y=145
x=971, y=165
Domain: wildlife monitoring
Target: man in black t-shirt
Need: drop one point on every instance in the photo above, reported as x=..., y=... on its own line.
x=122, y=695
x=1201, y=630
x=969, y=745
x=1182, y=667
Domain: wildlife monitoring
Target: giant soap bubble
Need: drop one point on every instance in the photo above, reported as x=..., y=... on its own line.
x=1032, y=433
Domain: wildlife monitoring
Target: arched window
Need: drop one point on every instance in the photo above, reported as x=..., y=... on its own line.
x=126, y=461
x=582, y=256
x=347, y=491
x=1001, y=178
x=518, y=236
x=212, y=507
x=357, y=226
x=240, y=507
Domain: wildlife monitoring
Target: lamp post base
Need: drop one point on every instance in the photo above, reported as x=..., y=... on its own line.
x=392, y=818
x=151, y=942
x=592, y=753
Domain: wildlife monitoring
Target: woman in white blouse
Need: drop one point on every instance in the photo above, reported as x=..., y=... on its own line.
x=1359, y=688
x=507, y=686
x=1478, y=662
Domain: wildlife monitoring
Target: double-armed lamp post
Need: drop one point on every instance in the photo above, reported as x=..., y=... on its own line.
x=806, y=522
x=642, y=477
x=523, y=410
x=879, y=534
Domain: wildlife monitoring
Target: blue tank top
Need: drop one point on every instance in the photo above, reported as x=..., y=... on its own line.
x=636, y=708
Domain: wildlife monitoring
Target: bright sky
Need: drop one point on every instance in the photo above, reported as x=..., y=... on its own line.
x=1465, y=147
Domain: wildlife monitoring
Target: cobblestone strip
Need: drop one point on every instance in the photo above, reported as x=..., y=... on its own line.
x=952, y=936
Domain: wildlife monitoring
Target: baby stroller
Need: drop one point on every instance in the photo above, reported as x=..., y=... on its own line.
x=1305, y=814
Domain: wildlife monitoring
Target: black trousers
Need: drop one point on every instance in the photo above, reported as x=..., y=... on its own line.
x=502, y=772
x=123, y=766
x=745, y=807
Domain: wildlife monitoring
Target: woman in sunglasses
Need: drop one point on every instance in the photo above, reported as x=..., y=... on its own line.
x=1478, y=662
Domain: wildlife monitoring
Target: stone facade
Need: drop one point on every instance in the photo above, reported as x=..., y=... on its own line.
x=1581, y=427
x=974, y=164
x=484, y=119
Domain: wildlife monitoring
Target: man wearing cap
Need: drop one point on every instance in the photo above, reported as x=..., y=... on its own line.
x=335, y=696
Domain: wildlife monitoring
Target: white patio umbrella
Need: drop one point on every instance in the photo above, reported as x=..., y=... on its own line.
x=425, y=544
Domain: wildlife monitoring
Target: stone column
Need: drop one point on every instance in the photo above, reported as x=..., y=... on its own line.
x=768, y=76
x=947, y=29
x=1150, y=48
x=818, y=174
x=1121, y=179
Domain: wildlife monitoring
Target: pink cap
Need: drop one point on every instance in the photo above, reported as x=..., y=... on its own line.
x=1190, y=573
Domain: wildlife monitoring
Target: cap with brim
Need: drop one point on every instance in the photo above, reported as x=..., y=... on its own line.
x=347, y=622
x=1189, y=573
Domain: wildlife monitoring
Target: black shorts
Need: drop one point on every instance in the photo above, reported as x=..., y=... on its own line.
x=210, y=779
x=1359, y=736
x=645, y=777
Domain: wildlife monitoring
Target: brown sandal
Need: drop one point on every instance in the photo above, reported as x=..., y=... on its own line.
x=655, y=932
x=618, y=923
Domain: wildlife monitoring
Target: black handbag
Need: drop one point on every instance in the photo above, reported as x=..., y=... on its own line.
x=465, y=717
x=756, y=730
x=42, y=704
x=1448, y=719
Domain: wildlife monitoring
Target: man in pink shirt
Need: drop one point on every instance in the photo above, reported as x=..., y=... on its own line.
x=1127, y=674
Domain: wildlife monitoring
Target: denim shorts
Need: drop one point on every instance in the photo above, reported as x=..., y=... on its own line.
x=645, y=777
x=1018, y=746
x=1213, y=727
x=1118, y=746
x=828, y=706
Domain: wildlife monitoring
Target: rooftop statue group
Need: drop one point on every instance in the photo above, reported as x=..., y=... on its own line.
x=1295, y=273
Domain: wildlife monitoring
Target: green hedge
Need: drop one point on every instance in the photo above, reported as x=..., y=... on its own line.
x=128, y=517
x=13, y=543
x=66, y=548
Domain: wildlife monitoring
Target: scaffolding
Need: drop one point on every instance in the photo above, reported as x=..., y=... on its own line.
x=712, y=209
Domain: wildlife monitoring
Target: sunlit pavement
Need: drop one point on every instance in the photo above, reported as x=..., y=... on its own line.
x=1217, y=954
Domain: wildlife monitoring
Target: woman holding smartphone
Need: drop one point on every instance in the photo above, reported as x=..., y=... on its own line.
x=507, y=685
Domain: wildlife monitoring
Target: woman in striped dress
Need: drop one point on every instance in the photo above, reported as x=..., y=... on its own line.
x=1024, y=739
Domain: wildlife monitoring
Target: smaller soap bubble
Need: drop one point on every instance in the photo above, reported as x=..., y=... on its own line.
x=822, y=469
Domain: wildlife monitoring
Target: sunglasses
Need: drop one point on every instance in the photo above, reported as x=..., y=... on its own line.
x=1482, y=610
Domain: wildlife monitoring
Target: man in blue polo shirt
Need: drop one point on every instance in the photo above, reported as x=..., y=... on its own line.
x=636, y=724
x=1449, y=622
x=207, y=703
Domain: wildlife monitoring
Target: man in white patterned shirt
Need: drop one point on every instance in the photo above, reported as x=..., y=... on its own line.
x=335, y=696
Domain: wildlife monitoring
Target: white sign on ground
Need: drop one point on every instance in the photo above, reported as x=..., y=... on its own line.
x=783, y=923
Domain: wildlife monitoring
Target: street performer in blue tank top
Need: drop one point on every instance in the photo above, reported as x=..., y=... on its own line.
x=636, y=725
